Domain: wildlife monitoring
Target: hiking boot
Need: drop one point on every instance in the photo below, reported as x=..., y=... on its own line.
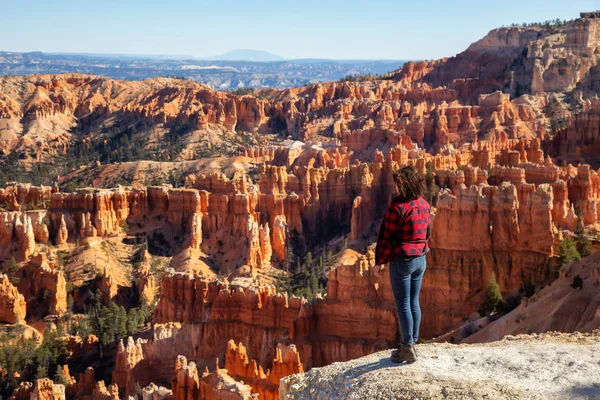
x=405, y=353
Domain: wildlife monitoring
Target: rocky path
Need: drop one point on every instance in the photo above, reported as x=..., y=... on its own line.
x=548, y=366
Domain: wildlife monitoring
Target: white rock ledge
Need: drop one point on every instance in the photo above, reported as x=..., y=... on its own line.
x=548, y=366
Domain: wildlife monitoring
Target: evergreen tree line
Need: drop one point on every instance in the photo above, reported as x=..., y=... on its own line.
x=360, y=78
x=117, y=143
x=25, y=359
x=304, y=275
x=113, y=144
x=546, y=24
x=12, y=171
x=175, y=177
x=242, y=91
x=111, y=323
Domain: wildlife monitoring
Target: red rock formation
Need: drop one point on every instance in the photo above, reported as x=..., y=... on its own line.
x=101, y=392
x=503, y=240
x=187, y=384
x=266, y=384
x=62, y=236
x=83, y=388
x=21, y=197
x=209, y=312
x=196, y=231
x=127, y=364
x=153, y=392
x=39, y=279
x=88, y=389
x=23, y=392
x=357, y=316
x=108, y=286
x=279, y=237
x=146, y=282
x=78, y=346
x=552, y=308
x=12, y=303
x=45, y=389
x=579, y=141
x=17, y=235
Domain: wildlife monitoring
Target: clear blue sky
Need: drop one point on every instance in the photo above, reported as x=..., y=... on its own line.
x=416, y=29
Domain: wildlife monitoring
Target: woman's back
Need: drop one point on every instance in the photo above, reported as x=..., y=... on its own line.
x=405, y=230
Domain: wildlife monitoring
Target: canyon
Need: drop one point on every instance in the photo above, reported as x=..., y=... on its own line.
x=244, y=225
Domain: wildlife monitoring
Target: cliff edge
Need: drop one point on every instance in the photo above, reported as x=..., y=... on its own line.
x=547, y=366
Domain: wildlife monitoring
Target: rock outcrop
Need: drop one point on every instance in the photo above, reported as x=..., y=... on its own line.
x=265, y=384
x=357, y=317
x=88, y=389
x=495, y=370
x=127, y=364
x=512, y=244
x=147, y=287
x=45, y=389
x=188, y=384
x=12, y=303
x=195, y=318
x=551, y=309
x=41, y=281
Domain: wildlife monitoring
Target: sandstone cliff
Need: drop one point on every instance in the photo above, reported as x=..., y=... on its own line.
x=43, y=283
x=551, y=309
x=12, y=303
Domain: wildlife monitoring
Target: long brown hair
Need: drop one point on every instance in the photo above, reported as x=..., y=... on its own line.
x=411, y=184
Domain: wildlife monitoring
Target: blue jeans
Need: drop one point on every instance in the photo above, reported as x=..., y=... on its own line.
x=406, y=276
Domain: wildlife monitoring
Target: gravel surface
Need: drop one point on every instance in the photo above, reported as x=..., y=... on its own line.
x=547, y=366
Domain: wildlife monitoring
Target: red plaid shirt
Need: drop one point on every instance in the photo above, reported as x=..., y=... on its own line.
x=404, y=230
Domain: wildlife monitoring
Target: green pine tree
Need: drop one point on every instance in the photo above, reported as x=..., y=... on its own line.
x=13, y=266
x=493, y=297
x=567, y=252
x=584, y=246
x=60, y=376
x=41, y=372
x=577, y=282
x=308, y=261
x=314, y=283
x=70, y=302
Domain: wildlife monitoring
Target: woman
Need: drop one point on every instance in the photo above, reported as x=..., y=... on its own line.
x=403, y=243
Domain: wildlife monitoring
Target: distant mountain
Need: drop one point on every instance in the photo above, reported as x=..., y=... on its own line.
x=221, y=74
x=247, y=55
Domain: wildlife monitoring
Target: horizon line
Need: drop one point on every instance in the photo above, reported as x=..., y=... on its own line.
x=182, y=57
